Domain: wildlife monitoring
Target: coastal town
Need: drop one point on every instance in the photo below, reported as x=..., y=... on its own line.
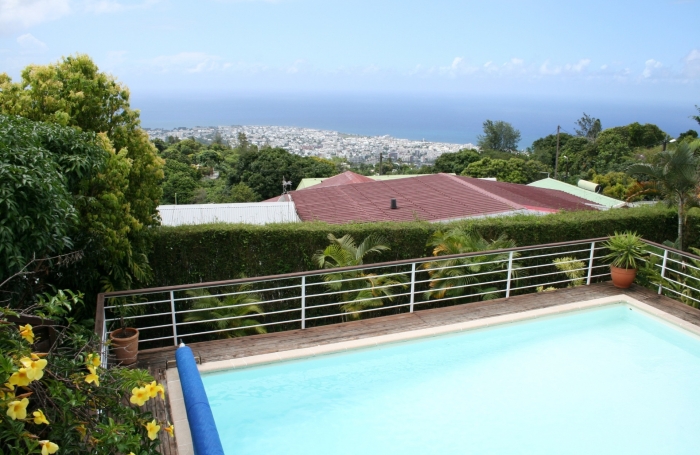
x=321, y=143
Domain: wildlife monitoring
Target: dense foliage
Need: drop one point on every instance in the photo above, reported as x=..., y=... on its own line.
x=62, y=400
x=117, y=199
x=189, y=254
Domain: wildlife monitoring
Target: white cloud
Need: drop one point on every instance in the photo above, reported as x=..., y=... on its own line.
x=652, y=68
x=18, y=14
x=691, y=65
x=29, y=43
x=115, y=6
x=188, y=62
x=569, y=68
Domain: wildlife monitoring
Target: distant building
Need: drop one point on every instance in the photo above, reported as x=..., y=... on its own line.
x=592, y=196
x=249, y=213
x=435, y=197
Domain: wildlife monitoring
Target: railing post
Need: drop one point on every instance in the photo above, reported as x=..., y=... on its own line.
x=590, y=264
x=413, y=285
x=663, y=270
x=303, y=302
x=510, y=270
x=172, y=312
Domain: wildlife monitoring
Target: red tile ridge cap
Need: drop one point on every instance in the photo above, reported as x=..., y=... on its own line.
x=485, y=192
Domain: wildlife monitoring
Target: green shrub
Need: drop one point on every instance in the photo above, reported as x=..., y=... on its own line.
x=190, y=254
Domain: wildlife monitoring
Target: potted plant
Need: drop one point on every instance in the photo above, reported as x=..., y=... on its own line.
x=125, y=340
x=625, y=250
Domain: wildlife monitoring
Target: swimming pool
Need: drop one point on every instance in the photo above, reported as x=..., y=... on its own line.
x=605, y=380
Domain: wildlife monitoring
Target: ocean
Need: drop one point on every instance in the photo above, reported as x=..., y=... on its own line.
x=438, y=118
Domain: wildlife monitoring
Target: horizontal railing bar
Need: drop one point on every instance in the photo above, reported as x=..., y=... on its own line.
x=234, y=328
x=260, y=302
x=358, y=311
x=680, y=293
x=229, y=318
x=323, y=305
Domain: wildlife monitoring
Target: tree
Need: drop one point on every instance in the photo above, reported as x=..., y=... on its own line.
x=73, y=92
x=455, y=162
x=359, y=290
x=63, y=190
x=696, y=117
x=588, y=127
x=36, y=208
x=263, y=171
x=676, y=176
x=514, y=170
x=689, y=135
x=499, y=135
x=452, y=278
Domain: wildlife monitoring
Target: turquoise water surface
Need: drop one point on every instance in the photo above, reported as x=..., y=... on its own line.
x=606, y=381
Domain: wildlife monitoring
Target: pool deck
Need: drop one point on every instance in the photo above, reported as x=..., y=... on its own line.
x=158, y=360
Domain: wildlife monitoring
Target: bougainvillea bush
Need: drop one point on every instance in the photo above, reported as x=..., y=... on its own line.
x=64, y=401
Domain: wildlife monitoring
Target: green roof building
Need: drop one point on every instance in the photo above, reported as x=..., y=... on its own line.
x=592, y=196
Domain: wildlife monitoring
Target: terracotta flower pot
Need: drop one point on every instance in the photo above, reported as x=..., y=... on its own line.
x=125, y=345
x=622, y=278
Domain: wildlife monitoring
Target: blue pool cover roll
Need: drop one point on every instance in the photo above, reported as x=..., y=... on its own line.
x=205, y=438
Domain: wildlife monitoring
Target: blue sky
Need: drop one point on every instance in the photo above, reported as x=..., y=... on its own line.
x=615, y=51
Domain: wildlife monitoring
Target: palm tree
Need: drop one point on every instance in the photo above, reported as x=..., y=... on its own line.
x=450, y=277
x=359, y=290
x=227, y=314
x=676, y=177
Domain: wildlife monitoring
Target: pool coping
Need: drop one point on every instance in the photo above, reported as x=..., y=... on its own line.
x=177, y=404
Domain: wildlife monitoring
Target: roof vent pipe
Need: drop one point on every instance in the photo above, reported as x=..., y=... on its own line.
x=393, y=204
x=590, y=186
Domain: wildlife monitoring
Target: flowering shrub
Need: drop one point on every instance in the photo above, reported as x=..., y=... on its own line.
x=63, y=401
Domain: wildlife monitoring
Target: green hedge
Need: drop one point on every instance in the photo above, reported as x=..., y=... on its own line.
x=190, y=254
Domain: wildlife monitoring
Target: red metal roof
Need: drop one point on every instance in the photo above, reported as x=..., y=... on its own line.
x=533, y=198
x=430, y=198
x=346, y=178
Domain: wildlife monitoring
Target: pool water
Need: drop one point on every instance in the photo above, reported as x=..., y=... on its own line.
x=611, y=380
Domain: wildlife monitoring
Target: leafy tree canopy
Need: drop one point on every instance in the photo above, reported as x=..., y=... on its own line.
x=116, y=204
x=514, y=170
x=264, y=170
x=499, y=135
x=588, y=127
x=456, y=162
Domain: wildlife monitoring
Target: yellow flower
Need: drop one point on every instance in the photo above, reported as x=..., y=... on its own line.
x=170, y=429
x=39, y=417
x=151, y=389
x=94, y=360
x=18, y=409
x=48, y=447
x=92, y=377
x=27, y=333
x=35, y=368
x=21, y=377
x=9, y=386
x=161, y=391
x=81, y=429
x=153, y=428
x=7, y=395
x=132, y=453
x=139, y=396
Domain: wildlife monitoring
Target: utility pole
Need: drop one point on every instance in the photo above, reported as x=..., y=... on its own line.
x=380, y=163
x=556, y=158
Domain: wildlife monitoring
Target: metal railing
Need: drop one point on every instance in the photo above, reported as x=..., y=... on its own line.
x=678, y=274
x=204, y=311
